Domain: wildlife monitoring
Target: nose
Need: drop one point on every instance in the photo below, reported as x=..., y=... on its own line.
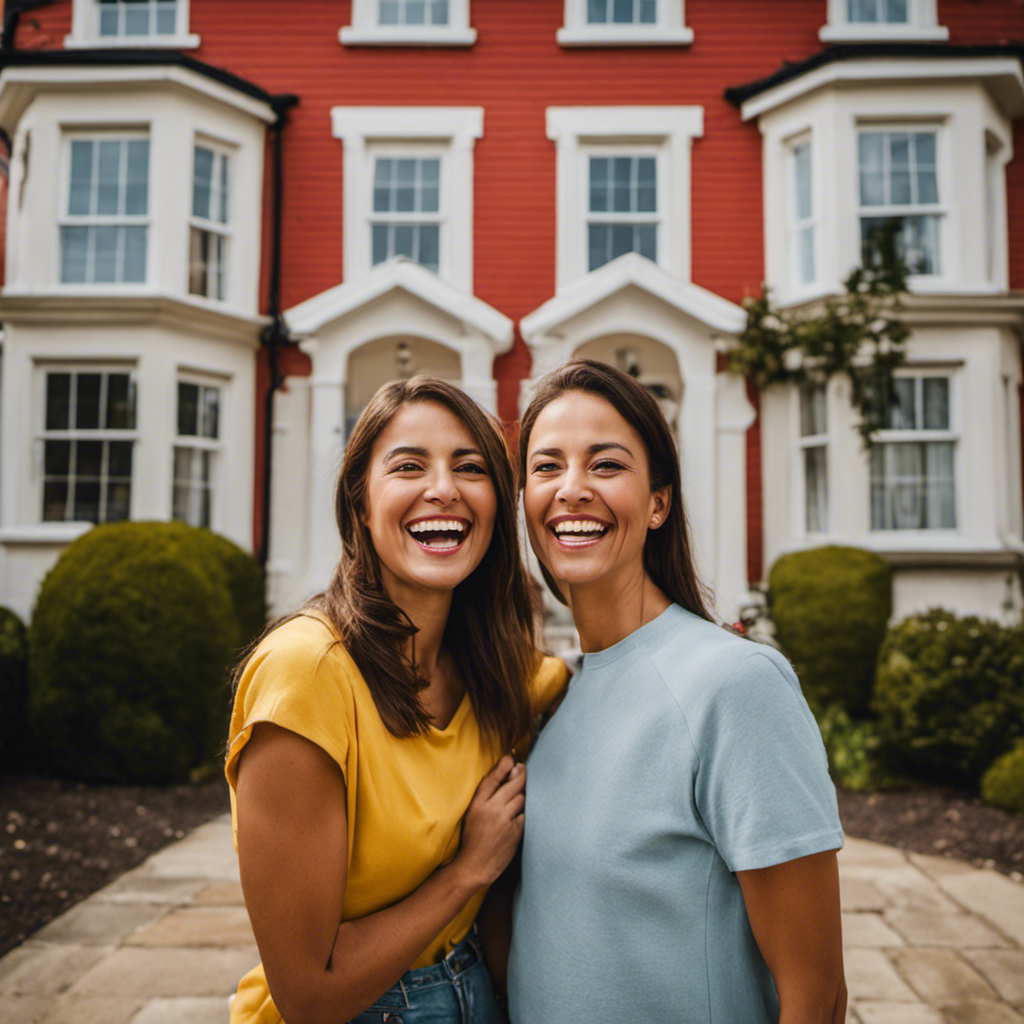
x=574, y=488
x=442, y=487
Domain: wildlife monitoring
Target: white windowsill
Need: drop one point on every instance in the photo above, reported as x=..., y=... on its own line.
x=621, y=35
x=882, y=33
x=189, y=42
x=404, y=35
x=44, y=533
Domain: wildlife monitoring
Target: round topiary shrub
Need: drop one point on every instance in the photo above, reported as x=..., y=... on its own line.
x=246, y=583
x=949, y=693
x=1002, y=785
x=13, y=690
x=831, y=606
x=130, y=644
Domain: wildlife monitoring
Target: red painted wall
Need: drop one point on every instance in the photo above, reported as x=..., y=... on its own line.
x=516, y=70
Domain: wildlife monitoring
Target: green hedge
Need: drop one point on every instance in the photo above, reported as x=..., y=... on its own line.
x=13, y=691
x=831, y=606
x=130, y=646
x=1002, y=785
x=245, y=579
x=950, y=693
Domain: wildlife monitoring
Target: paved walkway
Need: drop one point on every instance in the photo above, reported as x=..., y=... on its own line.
x=928, y=941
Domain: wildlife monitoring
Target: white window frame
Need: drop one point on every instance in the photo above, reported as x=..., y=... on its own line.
x=579, y=132
x=75, y=434
x=85, y=31
x=196, y=443
x=797, y=225
x=996, y=241
x=805, y=443
x=66, y=219
x=668, y=29
x=366, y=132
x=409, y=150
x=222, y=229
x=921, y=25
x=951, y=434
x=587, y=152
x=942, y=210
x=366, y=30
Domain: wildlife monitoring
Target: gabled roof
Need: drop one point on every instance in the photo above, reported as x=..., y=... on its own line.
x=1000, y=63
x=633, y=270
x=400, y=273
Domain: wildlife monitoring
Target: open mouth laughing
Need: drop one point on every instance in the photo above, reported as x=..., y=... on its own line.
x=439, y=533
x=577, y=531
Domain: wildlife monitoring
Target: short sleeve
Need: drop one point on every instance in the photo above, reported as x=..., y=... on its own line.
x=548, y=684
x=762, y=785
x=296, y=679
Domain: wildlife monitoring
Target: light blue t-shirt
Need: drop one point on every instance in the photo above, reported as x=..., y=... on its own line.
x=680, y=755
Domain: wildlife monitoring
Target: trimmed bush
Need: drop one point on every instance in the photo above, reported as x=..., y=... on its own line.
x=246, y=582
x=13, y=690
x=1002, y=785
x=857, y=755
x=950, y=693
x=130, y=645
x=831, y=606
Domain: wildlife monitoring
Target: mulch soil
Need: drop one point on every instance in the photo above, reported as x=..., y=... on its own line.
x=61, y=841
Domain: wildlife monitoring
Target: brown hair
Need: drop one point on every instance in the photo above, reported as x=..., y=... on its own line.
x=489, y=632
x=668, y=555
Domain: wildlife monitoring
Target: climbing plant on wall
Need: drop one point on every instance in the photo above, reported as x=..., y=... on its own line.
x=858, y=333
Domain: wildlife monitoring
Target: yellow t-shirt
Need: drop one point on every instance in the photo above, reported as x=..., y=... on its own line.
x=405, y=797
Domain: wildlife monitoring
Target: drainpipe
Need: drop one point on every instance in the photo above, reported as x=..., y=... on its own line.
x=12, y=11
x=275, y=335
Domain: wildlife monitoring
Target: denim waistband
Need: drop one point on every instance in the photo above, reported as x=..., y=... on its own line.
x=460, y=958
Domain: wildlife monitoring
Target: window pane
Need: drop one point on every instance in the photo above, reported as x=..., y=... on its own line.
x=862, y=10
x=55, y=501
x=74, y=246
x=896, y=11
x=56, y=458
x=389, y=12
x=136, y=20
x=120, y=401
x=802, y=171
x=815, y=490
x=109, y=16
x=134, y=268
x=439, y=12
x=646, y=196
x=118, y=501
x=222, y=212
x=202, y=181
x=105, y=239
x=903, y=414
x=936, y=403
x=597, y=245
x=81, y=178
x=405, y=191
x=648, y=11
x=380, y=243
x=86, y=503
x=119, y=459
x=940, y=504
x=429, y=254
x=88, y=459
x=87, y=401
x=622, y=175
x=210, y=413
x=622, y=11
x=622, y=239
x=812, y=411
x=188, y=409
x=108, y=177
x=415, y=12
x=166, y=19
x=58, y=401
x=599, y=169
x=403, y=236
x=807, y=255
x=137, y=186
x=647, y=241
x=597, y=11
x=870, y=147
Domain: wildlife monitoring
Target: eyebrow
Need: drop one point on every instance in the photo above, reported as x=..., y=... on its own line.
x=594, y=449
x=411, y=449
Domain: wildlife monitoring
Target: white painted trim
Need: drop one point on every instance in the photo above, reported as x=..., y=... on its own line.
x=20, y=85
x=365, y=30
x=573, y=129
x=628, y=270
x=1003, y=76
x=85, y=32
x=44, y=533
x=921, y=26
x=668, y=30
x=457, y=129
x=309, y=317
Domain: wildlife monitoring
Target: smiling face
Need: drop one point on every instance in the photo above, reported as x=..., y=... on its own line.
x=429, y=501
x=587, y=493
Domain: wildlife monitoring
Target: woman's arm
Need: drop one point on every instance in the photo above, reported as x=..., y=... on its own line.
x=293, y=852
x=794, y=914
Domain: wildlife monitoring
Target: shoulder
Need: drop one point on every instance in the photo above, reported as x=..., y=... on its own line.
x=548, y=683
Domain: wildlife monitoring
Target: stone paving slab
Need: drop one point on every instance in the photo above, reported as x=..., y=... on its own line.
x=1003, y=969
x=940, y=977
x=934, y=928
x=183, y=1011
x=981, y=1013
x=881, y=1012
x=870, y=975
x=197, y=927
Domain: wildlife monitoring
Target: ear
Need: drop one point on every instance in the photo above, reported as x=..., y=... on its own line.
x=661, y=502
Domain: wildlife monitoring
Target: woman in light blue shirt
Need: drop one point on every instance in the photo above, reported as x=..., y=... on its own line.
x=679, y=852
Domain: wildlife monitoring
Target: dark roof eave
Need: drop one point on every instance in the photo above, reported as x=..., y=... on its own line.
x=140, y=58
x=738, y=95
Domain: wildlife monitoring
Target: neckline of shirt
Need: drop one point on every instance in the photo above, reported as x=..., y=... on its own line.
x=650, y=630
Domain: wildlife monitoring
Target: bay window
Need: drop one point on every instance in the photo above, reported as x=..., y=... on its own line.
x=208, y=240
x=802, y=216
x=814, y=457
x=195, y=452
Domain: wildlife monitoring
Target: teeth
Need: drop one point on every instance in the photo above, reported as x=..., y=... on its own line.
x=579, y=526
x=437, y=525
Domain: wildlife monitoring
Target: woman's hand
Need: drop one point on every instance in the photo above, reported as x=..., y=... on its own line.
x=493, y=824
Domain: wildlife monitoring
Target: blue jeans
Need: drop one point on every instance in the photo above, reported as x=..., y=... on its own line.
x=455, y=991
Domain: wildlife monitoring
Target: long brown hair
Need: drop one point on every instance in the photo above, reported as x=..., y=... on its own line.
x=668, y=554
x=489, y=632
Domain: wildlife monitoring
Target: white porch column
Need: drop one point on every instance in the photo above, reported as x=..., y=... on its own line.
x=697, y=454
x=735, y=415
x=477, y=377
x=327, y=405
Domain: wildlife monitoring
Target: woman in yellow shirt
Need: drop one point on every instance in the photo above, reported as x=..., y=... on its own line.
x=374, y=797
